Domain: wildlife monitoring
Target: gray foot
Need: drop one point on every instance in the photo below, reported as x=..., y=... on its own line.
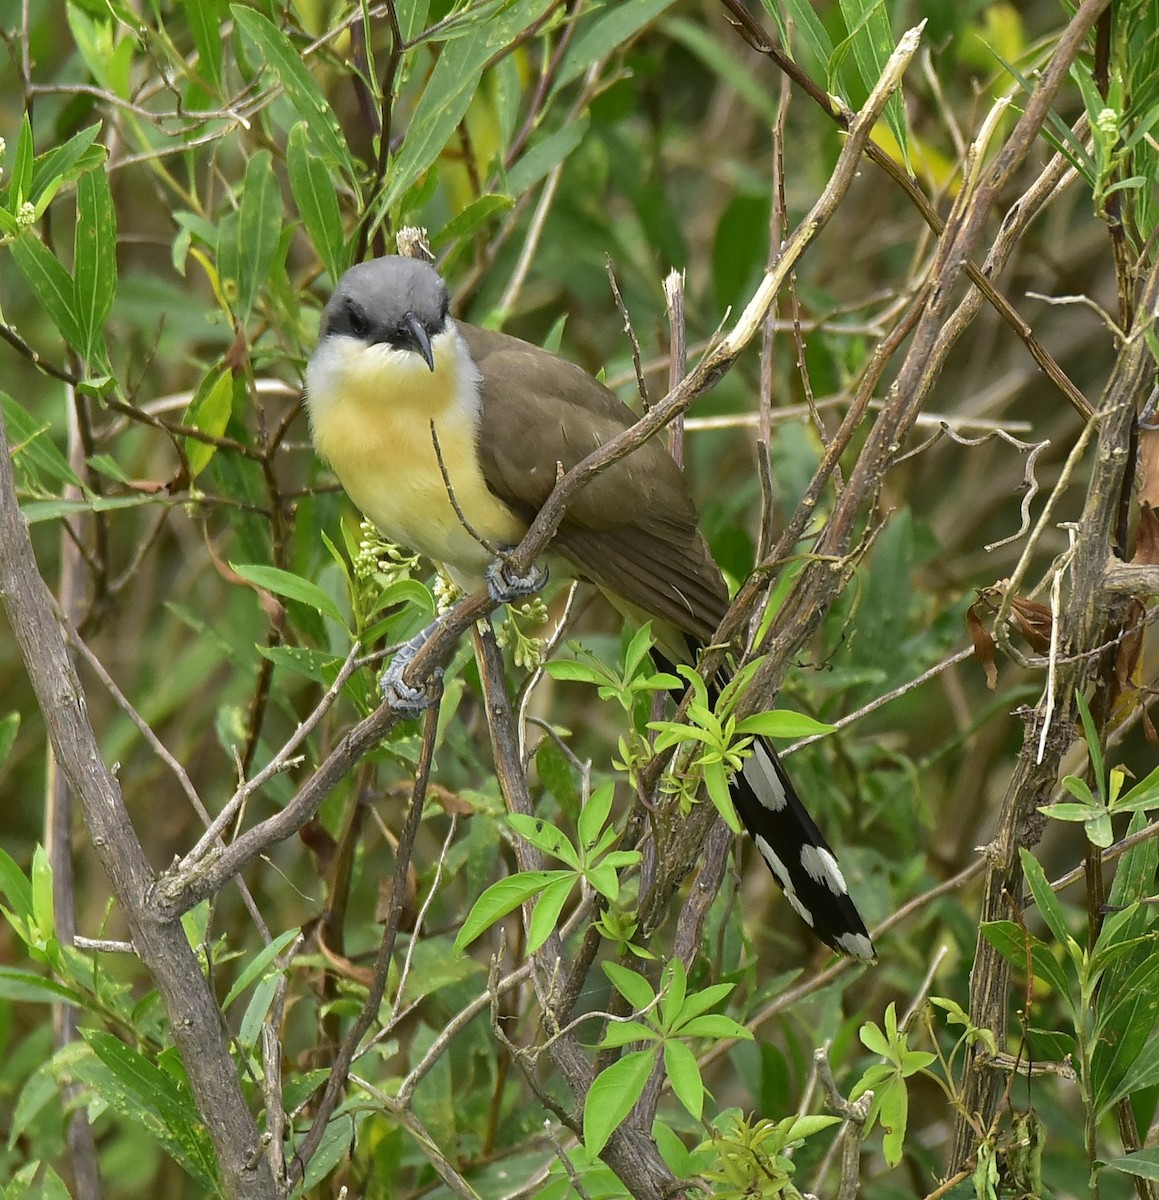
x=408, y=701
x=505, y=587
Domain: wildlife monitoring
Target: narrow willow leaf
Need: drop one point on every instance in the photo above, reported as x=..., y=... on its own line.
x=95, y=259
x=209, y=411
x=283, y=57
x=440, y=108
x=1143, y=1163
x=293, y=587
x=204, y=18
x=20, y=166
x=258, y=965
x=873, y=42
x=134, y=1086
x=32, y=446
x=544, y=154
x=31, y=988
x=51, y=284
x=63, y=164
x=473, y=218
x=1044, y=897
x=317, y=200
x=259, y=225
x=604, y=33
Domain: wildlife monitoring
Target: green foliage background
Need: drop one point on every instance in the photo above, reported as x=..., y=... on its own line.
x=182, y=182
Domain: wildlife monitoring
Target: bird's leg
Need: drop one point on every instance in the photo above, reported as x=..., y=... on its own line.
x=505, y=587
x=404, y=698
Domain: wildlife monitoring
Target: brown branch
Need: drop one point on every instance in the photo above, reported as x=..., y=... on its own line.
x=753, y=33
x=1087, y=618
x=195, y=1020
x=631, y=1151
x=336, y=1081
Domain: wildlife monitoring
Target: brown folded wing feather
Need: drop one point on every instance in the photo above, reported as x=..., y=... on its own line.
x=633, y=529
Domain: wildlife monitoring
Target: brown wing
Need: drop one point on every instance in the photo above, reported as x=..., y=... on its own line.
x=632, y=530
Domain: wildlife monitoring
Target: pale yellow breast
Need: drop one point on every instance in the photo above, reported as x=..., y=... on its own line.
x=371, y=410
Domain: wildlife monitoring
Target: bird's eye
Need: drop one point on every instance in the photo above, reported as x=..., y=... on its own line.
x=359, y=324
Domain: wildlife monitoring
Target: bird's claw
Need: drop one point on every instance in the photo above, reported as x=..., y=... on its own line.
x=505, y=587
x=403, y=698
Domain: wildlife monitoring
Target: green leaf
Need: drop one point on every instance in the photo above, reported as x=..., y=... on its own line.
x=1011, y=942
x=20, y=165
x=704, y=999
x=259, y=226
x=443, y=104
x=304, y=95
x=9, y=728
x=613, y=1093
x=634, y=988
x=1142, y=1073
x=547, y=909
x=51, y=284
x=1066, y=811
x=1143, y=1163
x=204, y=19
x=43, y=900
x=604, y=34
x=95, y=259
x=714, y=1025
x=317, y=200
x=136, y=1088
x=622, y=1033
x=294, y=587
x=783, y=723
x=893, y=1113
x=209, y=411
x=874, y=1040
x=1046, y=900
x=684, y=1076
x=31, y=988
x=716, y=55
x=476, y=215
x=62, y=164
x=258, y=965
x=33, y=447
x=500, y=898
x=808, y=25
x=673, y=990
x=1094, y=748
x=15, y=887
x=716, y=781
x=873, y=43
x=544, y=837
x=595, y=814
x=808, y=1125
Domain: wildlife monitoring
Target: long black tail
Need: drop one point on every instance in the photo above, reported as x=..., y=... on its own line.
x=793, y=847
x=797, y=853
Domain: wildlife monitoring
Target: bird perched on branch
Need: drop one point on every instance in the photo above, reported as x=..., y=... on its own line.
x=449, y=437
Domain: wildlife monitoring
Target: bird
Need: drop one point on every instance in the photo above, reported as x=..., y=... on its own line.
x=449, y=438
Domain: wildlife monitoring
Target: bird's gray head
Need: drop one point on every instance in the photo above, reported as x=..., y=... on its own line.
x=393, y=301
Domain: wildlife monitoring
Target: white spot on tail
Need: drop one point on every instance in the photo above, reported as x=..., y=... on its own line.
x=783, y=878
x=858, y=945
x=822, y=867
x=764, y=780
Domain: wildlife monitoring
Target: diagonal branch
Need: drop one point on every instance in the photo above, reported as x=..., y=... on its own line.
x=194, y=1018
